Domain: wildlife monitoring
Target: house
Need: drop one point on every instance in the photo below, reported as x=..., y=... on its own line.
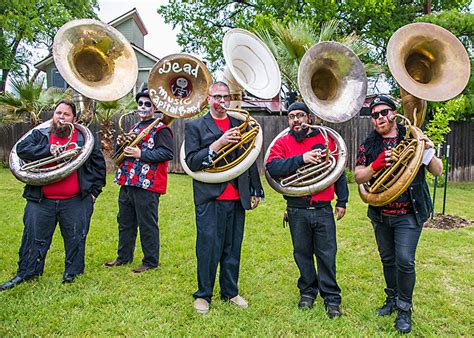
x=132, y=27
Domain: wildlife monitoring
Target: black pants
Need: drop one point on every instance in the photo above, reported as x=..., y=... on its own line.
x=138, y=208
x=397, y=238
x=40, y=219
x=313, y=232
x=220, y=231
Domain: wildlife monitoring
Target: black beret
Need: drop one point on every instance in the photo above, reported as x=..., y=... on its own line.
x=380, y=99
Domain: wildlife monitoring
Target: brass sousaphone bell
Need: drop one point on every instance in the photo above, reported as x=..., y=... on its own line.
x=97, y=61
x=333, y=84
x=430, y=64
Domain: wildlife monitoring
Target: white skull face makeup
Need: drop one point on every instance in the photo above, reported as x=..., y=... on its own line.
x=145, y=107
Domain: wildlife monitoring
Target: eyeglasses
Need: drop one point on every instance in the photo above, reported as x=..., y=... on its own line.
x=384, y=112
x=220, y=97
x=146, y=103
x=297, y=115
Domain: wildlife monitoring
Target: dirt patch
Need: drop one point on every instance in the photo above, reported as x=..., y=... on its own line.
x=447, y=222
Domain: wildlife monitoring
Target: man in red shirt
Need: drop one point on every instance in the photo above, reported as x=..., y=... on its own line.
x=311, y=220
x=69, y=202
x=220, y=207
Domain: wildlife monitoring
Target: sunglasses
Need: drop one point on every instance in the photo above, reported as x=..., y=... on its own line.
x=297, y=115
x=220, y=97
x=146, y=103
x=384, y=112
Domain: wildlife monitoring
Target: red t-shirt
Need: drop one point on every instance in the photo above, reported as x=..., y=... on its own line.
x=230, y=192
x=68, y=187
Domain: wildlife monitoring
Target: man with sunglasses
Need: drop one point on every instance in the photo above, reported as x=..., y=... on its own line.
x=311, y=219
x=143, y=176
x=220, y=207
x=397, y=225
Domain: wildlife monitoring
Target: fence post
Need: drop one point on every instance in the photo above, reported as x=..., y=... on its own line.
x=446, y=177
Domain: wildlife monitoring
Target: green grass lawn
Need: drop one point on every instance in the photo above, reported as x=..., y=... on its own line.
x=114, y=301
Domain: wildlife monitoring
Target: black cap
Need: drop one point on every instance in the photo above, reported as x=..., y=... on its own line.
x=299, y=106
x=143, y=93
x=380, y=99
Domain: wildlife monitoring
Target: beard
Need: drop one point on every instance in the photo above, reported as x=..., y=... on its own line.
x=299, y=135
x=385, y=128
x=60, y=130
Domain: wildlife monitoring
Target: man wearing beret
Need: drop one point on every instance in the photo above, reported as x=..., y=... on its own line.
x=311, y=219
x=69, y=202
x=398, y=224
x=142, y=177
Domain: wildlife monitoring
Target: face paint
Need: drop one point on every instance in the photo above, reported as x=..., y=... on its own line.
x=145, y=108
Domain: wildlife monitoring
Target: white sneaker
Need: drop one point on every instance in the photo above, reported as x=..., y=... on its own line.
x=201, y=305
x=239, y=301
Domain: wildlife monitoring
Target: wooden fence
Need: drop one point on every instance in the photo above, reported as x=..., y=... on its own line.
x=460, y=139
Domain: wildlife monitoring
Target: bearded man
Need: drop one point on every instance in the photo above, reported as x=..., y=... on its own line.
x=397, y=225
x=69, y=202
x=311, y=219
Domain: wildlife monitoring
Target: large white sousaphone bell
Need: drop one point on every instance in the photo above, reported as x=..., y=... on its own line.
x=250, y=66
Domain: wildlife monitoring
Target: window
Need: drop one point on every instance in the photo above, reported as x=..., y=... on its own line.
x=57, y=79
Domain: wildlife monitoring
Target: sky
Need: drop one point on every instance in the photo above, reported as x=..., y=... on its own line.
x=161, y=38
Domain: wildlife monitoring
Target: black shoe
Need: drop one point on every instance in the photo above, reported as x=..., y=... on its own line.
x=69, y=278
x=305, y=303
x=403, y=321
x=333, y=311
x=11, y=283
x=390, y=305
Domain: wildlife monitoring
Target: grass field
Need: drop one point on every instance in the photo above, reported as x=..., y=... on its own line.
x=117, y=302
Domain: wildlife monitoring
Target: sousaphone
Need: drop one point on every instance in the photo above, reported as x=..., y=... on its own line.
x=97, y=61
x=333, y=84
x=430, y=64
x=178, y=86
x=250, y=66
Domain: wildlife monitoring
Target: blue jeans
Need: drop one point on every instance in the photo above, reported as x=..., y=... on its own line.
x=313, y=233
x=397, y=238
x=40, y=219
x=220, y=231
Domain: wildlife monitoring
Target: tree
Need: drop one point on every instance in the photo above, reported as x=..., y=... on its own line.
x=203, y=23
x=33, y=23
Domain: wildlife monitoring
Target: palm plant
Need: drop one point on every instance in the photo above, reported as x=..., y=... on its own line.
x=106, y=113
x=29, y=102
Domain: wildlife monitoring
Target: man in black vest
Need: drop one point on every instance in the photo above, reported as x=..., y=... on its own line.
x=397, y=225
x=220, y=207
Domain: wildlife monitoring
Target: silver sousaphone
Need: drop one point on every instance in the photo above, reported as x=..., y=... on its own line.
x=333, y=84
x=97, y=61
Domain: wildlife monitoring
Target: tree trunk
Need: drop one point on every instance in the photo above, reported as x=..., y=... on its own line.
x=3, y=84
x=427, y=6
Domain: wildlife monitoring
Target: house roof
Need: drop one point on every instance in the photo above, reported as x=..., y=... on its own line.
x=41, y=65
x=133, y=13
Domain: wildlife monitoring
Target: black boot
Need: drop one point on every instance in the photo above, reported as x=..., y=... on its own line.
x=403, y=321
x=390, y=305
